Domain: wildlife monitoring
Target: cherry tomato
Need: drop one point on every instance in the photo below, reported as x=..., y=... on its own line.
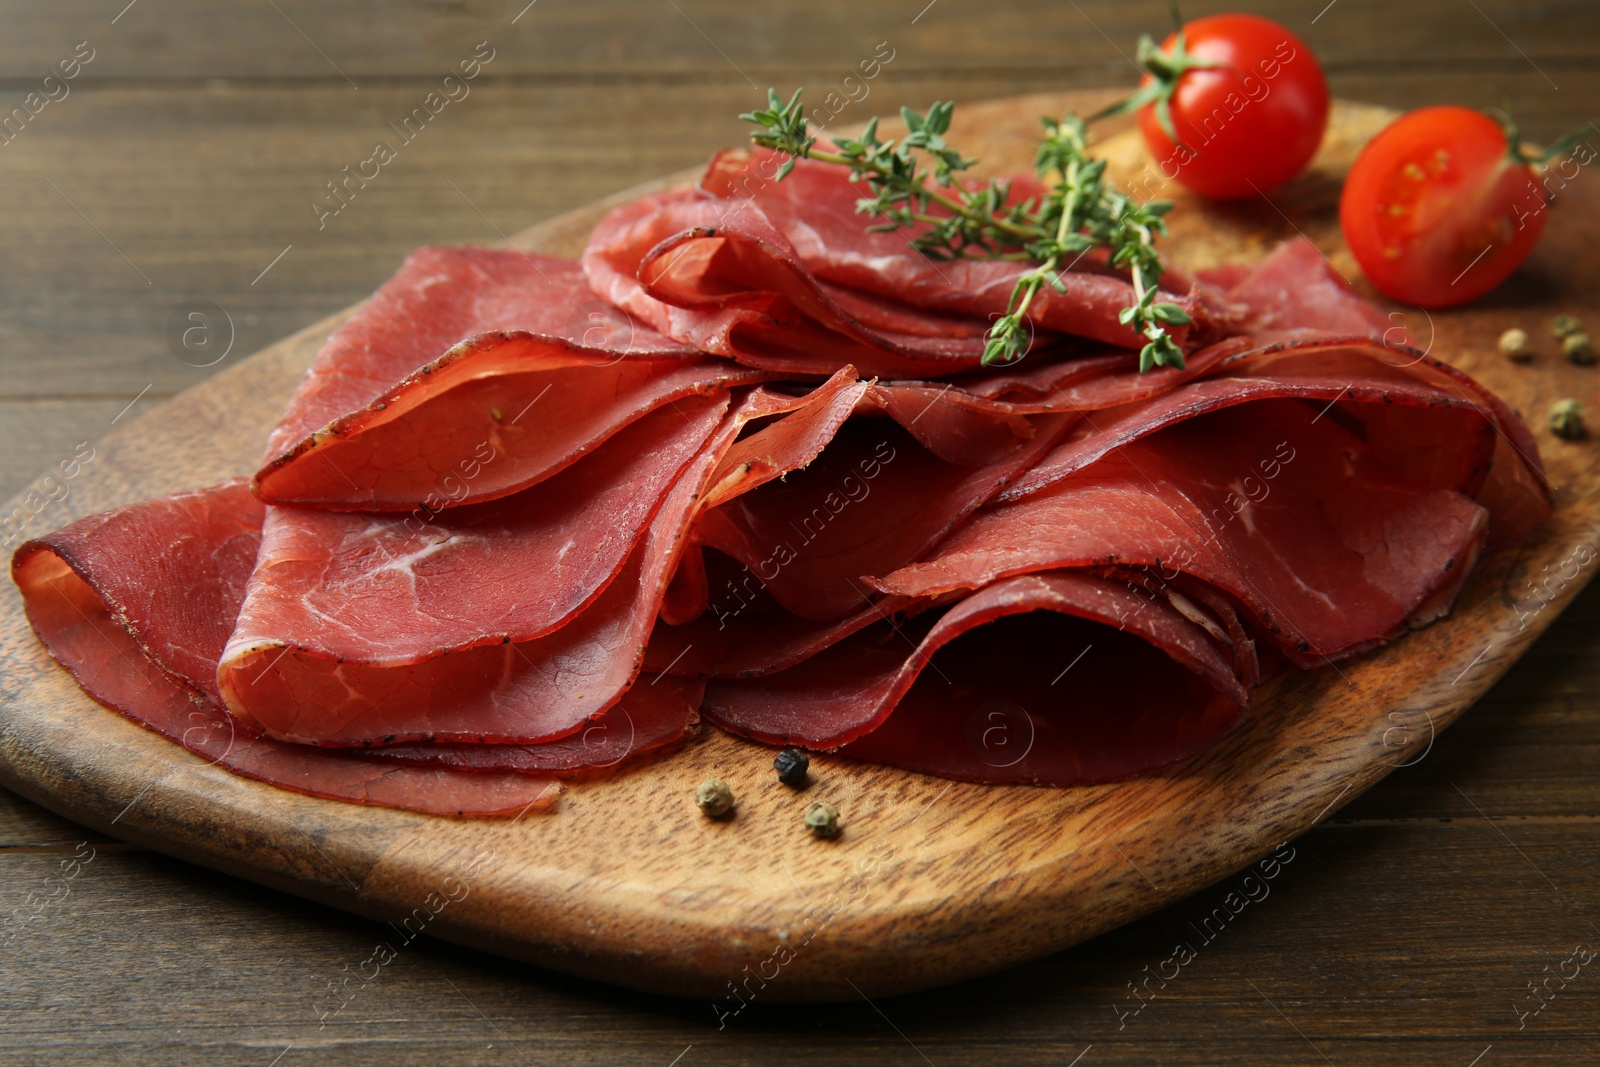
x=1243, y=127
x=1438, y=209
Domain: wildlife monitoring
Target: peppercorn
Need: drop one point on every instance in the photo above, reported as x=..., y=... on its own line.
x=823, y=819
x=1514, y=345
x=791, y=766
x=1562, y=325
x=714, y=797
x=1578, y=347
x=1566, y=419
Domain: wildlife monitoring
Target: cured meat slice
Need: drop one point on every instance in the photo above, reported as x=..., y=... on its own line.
x=1056, y=678
x=653, y=715
x=1421, y=412
x=814, y=207
x=471, y=374
x=519, y=639
x=716, y=275
x=1328, y=549
x=1295, y=288
x=782, y=445
x=1087, y=381
x=515, y=688
x=137, y=602
x=746, y=632
x=874, y=495
x=387, y=592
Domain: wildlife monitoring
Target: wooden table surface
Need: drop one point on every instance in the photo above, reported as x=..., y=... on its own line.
x=182, y=164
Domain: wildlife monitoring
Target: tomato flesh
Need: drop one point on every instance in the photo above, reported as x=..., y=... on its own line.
x=1248, y=126
x=1436, y=209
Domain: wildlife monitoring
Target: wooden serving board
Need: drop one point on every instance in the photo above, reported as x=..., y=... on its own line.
x=931, y=881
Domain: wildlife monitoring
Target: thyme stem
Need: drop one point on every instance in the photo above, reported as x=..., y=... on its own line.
x=955, y=207
x=1078, y=214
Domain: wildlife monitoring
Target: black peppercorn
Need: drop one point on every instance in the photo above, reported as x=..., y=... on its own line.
x=791, y=766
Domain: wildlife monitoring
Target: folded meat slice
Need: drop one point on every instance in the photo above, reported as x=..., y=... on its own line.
x=814, y=207
x=1326, y=547
x=388, y=591
x=896, y=476
x=516, y=622
x=1296, y=288
x=512, y=621
x=716, y=275
x=471, y=374
x=746, y=632
x=651, y=716
x=137, y=602
x=1056, y=678
x=1427, y=419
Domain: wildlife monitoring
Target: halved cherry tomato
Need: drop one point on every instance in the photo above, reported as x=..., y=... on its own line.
x=1440, y=208
x=1246, y=124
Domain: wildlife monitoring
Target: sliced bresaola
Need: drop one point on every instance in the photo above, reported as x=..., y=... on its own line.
x=469, y=375
x=512, y=621
x=387, y=591
x=1427, y=419
x=1296, y=288
x=793, y=432
x=651, y=716
x=460, y=674
x=716, y=275
x=1064, y=382
x=1058, y=678
x=814, y=207
x=744, y=632
x=137, y=602
x=893, y=479
x=1328, y=548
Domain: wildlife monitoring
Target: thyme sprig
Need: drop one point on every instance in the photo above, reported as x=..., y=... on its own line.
x=913, y=187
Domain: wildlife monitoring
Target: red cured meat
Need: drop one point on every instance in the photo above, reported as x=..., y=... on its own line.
x=873, y=496
x=814, y=207
x=1296, y=288
x=716, y=275
x=389, y=592
x=523, y=514
x=135, y=602
x=460, y=673
x=1326, y=547
x=453, y=669
x=1411, y=401
x=1159, y=689
x=653, y=715
x=472, y=373
x=745, y=632
x=771, y=451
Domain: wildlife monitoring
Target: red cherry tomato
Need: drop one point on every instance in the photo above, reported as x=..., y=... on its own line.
x=1249, y=125
x=1438, y=210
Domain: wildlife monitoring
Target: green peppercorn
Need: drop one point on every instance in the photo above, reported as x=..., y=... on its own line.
x=1578, y=348
x=1562, y=325
x=1566, y=419
x=1514, y=345
x=714, y=797
x=823, y=819
x=791, y=766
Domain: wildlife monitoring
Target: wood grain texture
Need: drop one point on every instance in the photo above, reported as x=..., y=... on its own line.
x=932, y=882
